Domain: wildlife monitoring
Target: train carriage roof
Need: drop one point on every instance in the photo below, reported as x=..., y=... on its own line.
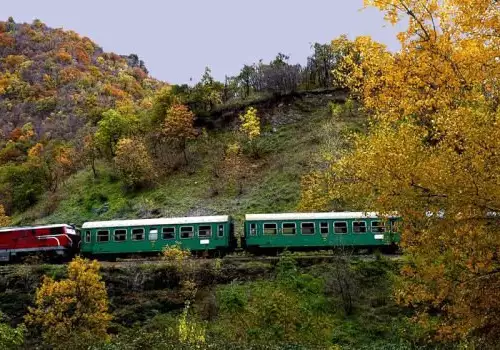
x=158, y=221
x=315, y=216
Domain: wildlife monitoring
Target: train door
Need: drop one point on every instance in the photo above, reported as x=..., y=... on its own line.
x=88, y=242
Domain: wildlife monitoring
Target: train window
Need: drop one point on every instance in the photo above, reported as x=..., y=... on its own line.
x=137, y=234
x=187, y=231
x=153, y=234
x=307, y=228
x=270, y=229
x=220, y=233
x=253, y=229
x=102, y=236
x=340, y=227
x=323, y=227
x=289, y=228
x=378, y=226
x=87, y=236
x=359, y=227
x=168, y=232
x=205, y=231
x=120, y=235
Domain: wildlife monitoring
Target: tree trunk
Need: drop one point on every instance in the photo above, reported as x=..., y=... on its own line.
x=184, y=151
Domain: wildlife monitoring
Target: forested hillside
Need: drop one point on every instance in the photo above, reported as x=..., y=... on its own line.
x=57, y=81
x=69, y=108
x=54, y=87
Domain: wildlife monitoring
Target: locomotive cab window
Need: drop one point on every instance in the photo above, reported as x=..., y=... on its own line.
x=205, y=231
x=137, y=234
x=87, y=236
x=56, y=230
x=323, y=227
x=220, y=231
x=187, y=231
x=120, y=235
x=307, y=228
x=289, y=228
x=359, y=227
x=168, y=232
x=253, y=229
x=378, y=226
x=102, y=236
x=340, y=227
x=270, y=229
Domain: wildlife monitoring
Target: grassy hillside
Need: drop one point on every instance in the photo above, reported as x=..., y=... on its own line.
x=291, y=143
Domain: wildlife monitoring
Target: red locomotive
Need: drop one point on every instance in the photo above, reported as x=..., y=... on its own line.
x=57, y=241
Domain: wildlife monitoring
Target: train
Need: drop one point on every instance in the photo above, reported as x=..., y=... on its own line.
x=212, y=235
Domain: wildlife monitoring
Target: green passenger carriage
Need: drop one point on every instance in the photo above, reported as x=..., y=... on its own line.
x=320, y=230
x=122, y=237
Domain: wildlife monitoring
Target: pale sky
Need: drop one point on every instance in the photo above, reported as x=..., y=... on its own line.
x=177, y=39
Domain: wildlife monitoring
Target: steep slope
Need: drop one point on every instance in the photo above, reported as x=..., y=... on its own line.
x=291, y=144
x=65, y=105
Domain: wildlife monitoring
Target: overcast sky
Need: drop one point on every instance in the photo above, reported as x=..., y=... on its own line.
x=177, y=39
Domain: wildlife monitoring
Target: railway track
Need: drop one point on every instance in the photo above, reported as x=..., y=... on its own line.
x=269, y=259
x=300, y=258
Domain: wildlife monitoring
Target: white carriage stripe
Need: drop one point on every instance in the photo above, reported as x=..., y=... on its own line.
x=315, y=216
x=55, y=236
x=158, y=221
x=50, y=237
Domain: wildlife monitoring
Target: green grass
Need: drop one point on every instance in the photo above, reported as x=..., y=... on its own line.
x=291, y=146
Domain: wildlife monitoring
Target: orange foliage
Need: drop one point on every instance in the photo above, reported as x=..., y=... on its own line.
x=65, y=158
x=6, y=40
x=69, y=74
x=35, y=151
x=82, y=55
x=15, y=134
x=112, y=90
x=64, y=56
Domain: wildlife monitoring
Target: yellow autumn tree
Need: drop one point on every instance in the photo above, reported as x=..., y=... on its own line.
x=4, y=219
x=178, y=127
x=249, y=132
x=250, y=124
x=72, y=313
x=134, y=162
x=432, y=154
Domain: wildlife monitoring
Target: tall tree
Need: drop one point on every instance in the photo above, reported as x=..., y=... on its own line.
x=72, y=312
x=111, y=128
x=134, y=162
x=179, y=127
x=208, y=92
x=432, y=155
x=245, y=77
